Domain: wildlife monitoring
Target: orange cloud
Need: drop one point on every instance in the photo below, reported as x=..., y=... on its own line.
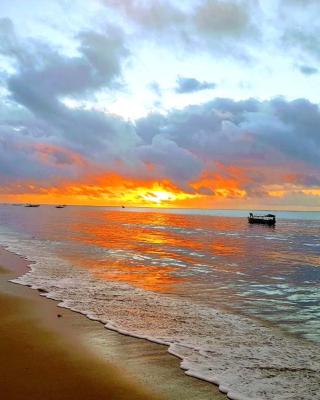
x=227, y=182
x=104, y=189
x=221, y=187
x=57, y=155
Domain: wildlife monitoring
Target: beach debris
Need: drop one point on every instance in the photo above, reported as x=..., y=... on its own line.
x=59, y=315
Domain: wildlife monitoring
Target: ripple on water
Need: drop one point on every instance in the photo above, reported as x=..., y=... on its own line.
x=247, y=359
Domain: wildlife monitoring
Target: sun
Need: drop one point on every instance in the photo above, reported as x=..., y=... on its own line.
x=158, y=197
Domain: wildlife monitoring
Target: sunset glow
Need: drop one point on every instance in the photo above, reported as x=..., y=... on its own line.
x=160, y=104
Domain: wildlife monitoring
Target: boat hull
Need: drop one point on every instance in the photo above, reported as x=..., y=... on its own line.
x=262, y=221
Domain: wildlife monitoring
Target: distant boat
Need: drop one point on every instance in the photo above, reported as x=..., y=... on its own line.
x=122, y=206
x=268, y=219
x=61, y=206
x=32, y=205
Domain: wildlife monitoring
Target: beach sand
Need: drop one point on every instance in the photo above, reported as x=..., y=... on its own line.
x=70, y=357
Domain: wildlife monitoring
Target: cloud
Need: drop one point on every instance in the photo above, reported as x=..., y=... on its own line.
x=39, y=84
x=308, y=70
x=155, y=88
x=171, y=161
x=105, y=52
x=302, y=179
x=25, y=158
x=303, y=40
x=156, y=15
x=8, y=41
x=299, y=3
x=223, y=147
x=217, y=26
x=257, y=137
x=226, y=17
x=50, y=72
x=190, y=85
x=223, y=18
x=300, y=31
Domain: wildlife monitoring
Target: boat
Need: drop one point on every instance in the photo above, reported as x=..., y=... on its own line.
x=268, y=219
x=60, y=206
x=32, y=205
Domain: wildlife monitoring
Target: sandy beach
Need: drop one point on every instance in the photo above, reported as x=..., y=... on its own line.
x=53, y=353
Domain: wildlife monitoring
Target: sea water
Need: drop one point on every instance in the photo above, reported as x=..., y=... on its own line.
x=238, y=303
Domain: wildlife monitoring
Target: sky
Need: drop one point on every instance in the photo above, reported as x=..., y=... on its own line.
x=161, y=103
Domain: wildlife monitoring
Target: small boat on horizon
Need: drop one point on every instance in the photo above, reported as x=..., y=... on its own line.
x=268, y=219
x=32, y=205
x=61, y=206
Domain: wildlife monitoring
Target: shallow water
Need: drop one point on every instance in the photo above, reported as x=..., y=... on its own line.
x=207, y=285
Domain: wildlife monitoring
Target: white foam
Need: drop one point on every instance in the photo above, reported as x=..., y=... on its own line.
x=246, y=359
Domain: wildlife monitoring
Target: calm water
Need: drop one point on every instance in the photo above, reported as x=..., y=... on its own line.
x=212, y=266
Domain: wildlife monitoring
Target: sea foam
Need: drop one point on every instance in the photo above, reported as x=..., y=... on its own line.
x=245, y=358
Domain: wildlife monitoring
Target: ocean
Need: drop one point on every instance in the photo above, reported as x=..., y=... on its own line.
x=238, y=303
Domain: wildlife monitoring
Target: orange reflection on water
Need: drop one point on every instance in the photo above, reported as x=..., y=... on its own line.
x=225, y=247
x=154, y=278
x=151, y=238
x=141, y=248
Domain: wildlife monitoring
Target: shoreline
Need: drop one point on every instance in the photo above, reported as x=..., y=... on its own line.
x=144, y=367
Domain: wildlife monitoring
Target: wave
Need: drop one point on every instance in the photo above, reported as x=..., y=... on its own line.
x=245, y=358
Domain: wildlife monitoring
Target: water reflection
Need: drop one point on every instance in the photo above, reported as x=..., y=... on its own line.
x=257, y=270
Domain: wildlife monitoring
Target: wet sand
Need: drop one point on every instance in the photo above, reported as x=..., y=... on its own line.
x=70, y=357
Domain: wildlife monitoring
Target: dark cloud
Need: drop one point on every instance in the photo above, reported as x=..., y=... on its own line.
x=302, y=179
x=155, y=88
x=259, y=137
x=302, y=40
x=172, y=161
x=50, y=72
x=235, y=141
x=300, y=30
x=231, y=17
x=308, y=70
x=35, y=109
x=105, y=52
x=150, y=126
x=212, y=25
x=224, y=18
x=154, y=15
x=21, y=158
x=236, y=29
x=8, y=41
x=190, y=85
